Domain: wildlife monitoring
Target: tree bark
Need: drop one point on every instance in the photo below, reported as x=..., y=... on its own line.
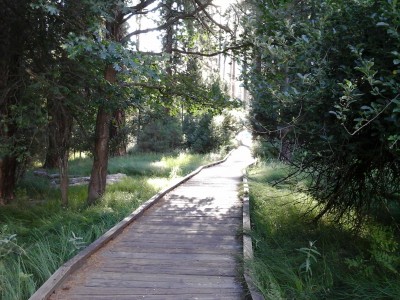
x=118, y=136
x=98, y=177
x=11, y=51
x=64, y=180
x=8, y=168
x=97, y=184
x=59, y=137
x=64, y=122
x=51, y=160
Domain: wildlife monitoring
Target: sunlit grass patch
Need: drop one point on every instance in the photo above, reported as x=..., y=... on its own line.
x=158, y=182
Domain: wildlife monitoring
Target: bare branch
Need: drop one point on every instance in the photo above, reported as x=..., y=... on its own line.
x=142, y=5
x=226, y=28
x=145, y=12
x=169, y=22
x=223, y=51
x=369, y=121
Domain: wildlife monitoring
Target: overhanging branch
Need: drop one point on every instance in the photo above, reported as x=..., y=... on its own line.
x=223, y=51
x=225, y=28
x=169, y=22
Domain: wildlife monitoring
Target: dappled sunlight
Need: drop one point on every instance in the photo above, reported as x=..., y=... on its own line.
x=159, y=164
x=158, y=183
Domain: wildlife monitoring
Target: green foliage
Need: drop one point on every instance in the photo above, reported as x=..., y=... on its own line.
x=8, y=243
x=159, y=133
x=311, y=253
x=346, y=265
x=264, y=149
x=199, y=133
x=324, y=82
x=206, y=133
x=384, y=251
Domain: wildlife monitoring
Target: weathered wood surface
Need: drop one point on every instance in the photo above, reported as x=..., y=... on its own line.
x=187, y=246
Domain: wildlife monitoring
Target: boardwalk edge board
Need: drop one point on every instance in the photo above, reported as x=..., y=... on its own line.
x=247, y=242
x=55, y=280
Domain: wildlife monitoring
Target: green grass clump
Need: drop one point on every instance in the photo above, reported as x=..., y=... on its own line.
x=296, y=258
x=37, y=235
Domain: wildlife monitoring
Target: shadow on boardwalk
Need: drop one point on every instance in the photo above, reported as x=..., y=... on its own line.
x=184, y=247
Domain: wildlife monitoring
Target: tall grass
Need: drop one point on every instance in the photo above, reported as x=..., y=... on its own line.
x=37, y=235
x=298, y=259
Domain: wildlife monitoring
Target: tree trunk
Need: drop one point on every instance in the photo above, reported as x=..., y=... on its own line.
x=8, y=168
x=118, y=136
x=64, y=180
x=97, y=184
x=98, y=178
x=10, y=60
x=51, y=160
x=63, y=136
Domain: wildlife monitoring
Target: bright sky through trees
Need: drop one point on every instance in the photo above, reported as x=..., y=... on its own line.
x=151, y=41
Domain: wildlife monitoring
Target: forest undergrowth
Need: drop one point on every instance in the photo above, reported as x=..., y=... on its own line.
x=37, y=235
x=296, y=258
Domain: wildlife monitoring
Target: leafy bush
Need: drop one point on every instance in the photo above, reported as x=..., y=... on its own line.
x=159, y=133
x=207, y=133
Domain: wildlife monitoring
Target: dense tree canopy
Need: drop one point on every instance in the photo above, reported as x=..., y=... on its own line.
x=325, y=85
x=73, y=69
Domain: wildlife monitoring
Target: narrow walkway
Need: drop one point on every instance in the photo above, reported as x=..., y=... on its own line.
x=187, y=246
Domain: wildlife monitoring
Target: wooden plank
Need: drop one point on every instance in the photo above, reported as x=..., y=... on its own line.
x=152, y=297
x=179, y=244
x=176, y=270
x=190, y=220
x=222, y=203
x=224, y=239
x=188, y=249
x=221, y=239
x=166, y=256
x=146, y=277
x=190, y=245
x=194, y=229
x=92, y=291
x=161, y=237
x=107, y=282
x=198, y=214
x=132, y=263
x=161, y=284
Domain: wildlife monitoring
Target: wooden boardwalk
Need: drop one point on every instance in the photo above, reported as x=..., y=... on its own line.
x=186, y=246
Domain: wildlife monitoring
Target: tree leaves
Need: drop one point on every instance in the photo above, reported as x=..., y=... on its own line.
x=341, y=83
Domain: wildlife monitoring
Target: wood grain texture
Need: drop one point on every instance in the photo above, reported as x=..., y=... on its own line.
x=187, y=245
